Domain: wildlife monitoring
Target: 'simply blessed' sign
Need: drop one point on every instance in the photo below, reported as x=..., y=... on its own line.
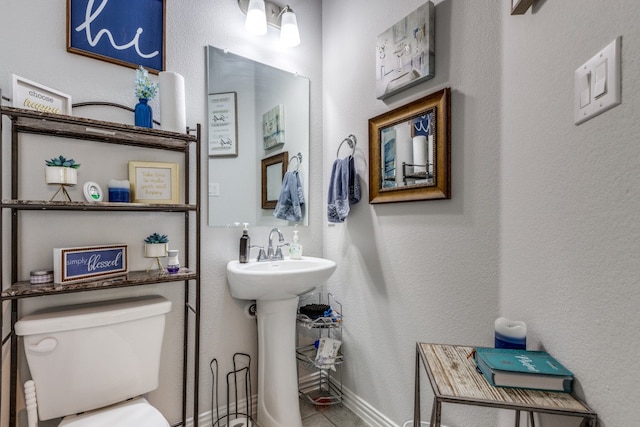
x=88, y=263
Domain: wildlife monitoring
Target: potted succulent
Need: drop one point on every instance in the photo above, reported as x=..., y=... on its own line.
x=61, y=170
x=156, y=245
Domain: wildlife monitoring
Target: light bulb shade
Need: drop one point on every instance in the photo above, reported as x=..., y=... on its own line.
x=256, y=22
x=289, y=35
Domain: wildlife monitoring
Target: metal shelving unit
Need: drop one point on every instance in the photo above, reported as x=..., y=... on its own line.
x=53, y=125
x=325, y=387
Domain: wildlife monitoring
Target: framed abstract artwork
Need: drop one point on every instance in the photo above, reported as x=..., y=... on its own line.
x=405, y=53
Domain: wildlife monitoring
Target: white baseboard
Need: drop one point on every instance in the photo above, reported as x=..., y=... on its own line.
x=357, y=405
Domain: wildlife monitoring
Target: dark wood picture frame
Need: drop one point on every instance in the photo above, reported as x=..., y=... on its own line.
x=136, y=28
x=283, y=160
x=439, y=187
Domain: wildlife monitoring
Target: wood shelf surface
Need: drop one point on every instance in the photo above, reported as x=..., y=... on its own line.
x=94, y=206
x=28, y=121
x=25, y=289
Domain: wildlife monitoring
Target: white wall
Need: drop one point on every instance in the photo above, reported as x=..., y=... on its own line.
x=420, y=271
x=570, y=235
x=32, y=45
x=543, y=222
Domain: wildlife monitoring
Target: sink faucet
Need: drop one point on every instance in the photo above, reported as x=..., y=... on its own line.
x=275, y=253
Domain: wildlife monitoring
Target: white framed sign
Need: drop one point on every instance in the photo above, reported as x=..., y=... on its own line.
x=33, y=96
x=223, y=127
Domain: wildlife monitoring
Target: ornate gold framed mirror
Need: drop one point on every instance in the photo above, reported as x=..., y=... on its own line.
x=410, y=151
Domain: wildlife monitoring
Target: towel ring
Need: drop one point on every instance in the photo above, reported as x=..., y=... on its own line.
x=351, y=142
x=297, y=157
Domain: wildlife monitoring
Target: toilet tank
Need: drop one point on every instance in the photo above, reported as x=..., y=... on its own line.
x=88, y=356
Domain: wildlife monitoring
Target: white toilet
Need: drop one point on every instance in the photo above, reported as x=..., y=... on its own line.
x=90, y=359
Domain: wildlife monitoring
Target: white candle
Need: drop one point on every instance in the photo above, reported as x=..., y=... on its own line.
x=420, y=153
x=510, y=333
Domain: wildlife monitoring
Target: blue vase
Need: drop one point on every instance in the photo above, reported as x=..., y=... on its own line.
x=143, y=114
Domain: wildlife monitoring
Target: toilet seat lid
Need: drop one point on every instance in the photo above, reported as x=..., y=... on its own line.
x=132, y=413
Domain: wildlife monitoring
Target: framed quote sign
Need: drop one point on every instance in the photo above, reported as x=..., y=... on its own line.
x=154, y=182
x=223, y=127
x=78, y=264
x=125, y=32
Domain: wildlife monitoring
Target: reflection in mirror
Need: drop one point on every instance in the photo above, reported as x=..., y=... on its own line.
x=273, y=170
x=409, y=151
x=271, y=117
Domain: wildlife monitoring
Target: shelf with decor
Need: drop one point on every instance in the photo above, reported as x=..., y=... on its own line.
x=185, y=214
x=320, y=378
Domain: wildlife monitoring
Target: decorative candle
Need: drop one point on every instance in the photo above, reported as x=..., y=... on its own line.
x=420, y=153
x=510, y=334
x=119, y=191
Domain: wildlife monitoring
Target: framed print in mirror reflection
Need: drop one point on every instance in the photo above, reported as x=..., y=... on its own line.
x=410, y=151
x=223, y=126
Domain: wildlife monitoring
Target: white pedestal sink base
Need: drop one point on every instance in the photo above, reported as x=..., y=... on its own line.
x=278, y=404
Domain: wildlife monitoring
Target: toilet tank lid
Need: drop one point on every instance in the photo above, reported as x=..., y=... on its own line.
x=91, y=315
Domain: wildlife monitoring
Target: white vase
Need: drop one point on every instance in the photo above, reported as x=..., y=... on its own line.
x=155, y=250
x=60, y=175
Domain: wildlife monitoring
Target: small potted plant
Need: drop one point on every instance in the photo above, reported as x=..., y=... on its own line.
x=156, y=245
x=61, y=170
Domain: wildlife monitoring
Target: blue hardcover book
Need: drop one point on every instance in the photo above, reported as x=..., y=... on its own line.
x=522, y=369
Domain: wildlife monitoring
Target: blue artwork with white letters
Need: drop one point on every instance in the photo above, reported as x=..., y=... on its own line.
x=126, y=32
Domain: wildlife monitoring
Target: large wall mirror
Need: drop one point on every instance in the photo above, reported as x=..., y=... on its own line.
x=255, y=112
x=409, y=151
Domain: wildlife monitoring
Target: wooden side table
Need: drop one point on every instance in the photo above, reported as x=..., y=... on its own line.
x=454, y=379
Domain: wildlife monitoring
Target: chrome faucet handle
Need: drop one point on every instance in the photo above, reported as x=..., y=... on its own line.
x=279, y=255
x=261, y=255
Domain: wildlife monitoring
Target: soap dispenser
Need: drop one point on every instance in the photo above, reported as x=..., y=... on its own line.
x=295, y=249
x=245, y=244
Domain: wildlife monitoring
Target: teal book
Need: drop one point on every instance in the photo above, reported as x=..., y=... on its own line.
x=522, y=369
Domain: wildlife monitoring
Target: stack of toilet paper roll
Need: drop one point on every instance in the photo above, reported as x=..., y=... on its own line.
x=172, y=102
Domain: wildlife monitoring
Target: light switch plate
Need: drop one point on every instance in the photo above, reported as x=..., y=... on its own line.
x=603, y=95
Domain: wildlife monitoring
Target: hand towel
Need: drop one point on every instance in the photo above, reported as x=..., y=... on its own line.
x=344, y=189
x=291, y=200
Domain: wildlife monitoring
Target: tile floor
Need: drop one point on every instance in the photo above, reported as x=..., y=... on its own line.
x=328, y=416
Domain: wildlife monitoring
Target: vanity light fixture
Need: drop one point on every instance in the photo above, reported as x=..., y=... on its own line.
x=260, y=13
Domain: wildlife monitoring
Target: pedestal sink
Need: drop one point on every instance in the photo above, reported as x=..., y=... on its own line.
x=276, y=286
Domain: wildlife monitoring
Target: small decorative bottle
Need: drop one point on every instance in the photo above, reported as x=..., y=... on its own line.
x=173, y=263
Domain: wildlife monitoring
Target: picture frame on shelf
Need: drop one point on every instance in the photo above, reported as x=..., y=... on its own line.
x=154, y=182
x=30, y=95
x=119, y=31
x=223, y=124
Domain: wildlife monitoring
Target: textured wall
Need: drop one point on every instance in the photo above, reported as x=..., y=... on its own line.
x=570, y=236
x=419, y=271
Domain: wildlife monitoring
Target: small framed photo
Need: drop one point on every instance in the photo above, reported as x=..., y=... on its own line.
x=223, y=125
x=520, y=7
x=154, y=183
x=33, y=96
